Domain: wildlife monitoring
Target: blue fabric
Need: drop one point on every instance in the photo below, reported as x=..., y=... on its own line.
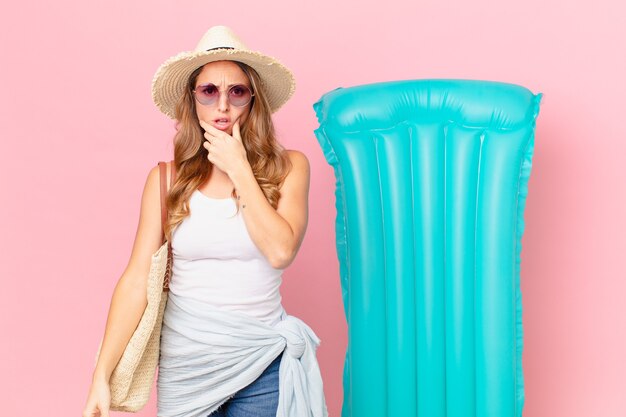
x=259, y=399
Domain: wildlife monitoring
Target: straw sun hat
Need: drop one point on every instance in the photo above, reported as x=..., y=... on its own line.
x=219, y=43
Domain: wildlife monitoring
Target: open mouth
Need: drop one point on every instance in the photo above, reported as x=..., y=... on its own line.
x=221, y=123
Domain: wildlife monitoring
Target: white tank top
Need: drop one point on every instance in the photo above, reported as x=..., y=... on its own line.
x=216, y=262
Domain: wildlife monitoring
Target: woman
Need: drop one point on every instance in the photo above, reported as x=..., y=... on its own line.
x=237, y=214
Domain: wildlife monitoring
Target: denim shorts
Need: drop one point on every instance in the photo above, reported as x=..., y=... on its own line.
x=259, y=399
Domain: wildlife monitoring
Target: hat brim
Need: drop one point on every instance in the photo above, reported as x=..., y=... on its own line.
x=171, y=78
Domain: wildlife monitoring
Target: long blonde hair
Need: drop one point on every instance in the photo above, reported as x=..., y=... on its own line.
x=266, y=155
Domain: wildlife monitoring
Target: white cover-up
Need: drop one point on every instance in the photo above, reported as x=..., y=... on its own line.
x=208, y=354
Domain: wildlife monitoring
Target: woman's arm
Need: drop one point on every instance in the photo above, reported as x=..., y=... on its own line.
x=278, y=232
x=129, y=298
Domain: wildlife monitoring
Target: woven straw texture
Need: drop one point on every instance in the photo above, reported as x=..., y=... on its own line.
x=171, y=77
x=133, y=376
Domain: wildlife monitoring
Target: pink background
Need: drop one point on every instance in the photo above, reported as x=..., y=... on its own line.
x=80, y=133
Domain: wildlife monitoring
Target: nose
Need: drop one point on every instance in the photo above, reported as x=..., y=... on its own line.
x=222, y=101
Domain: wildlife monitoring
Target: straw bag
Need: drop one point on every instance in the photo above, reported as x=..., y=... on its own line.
x=132, y=378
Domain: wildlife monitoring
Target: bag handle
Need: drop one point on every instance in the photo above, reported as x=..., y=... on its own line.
x=164, y=190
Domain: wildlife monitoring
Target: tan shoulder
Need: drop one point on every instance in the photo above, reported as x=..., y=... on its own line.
x=298, y=159
x=299, y=175
x=152, y=189
x=154, y=176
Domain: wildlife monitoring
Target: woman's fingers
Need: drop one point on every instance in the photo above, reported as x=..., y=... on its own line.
x=96, y=411
x=212, y=131
x=236, y=132
x=222, y=149
x=209, y=136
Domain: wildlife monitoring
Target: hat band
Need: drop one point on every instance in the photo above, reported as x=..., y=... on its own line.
x=221, y=47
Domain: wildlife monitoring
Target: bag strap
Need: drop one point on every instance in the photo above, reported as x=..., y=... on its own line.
x=164, y=190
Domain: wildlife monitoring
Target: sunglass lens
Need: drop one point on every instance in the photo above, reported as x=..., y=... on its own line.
x=239, y=95
x=207, y=94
